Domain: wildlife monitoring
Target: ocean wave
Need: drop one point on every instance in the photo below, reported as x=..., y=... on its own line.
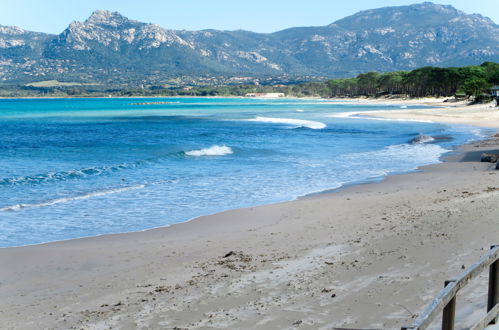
x=291, y=121
x=397, y=119
x=422, y=153
x=82, y=173
x=50, y=202
x=64, y=175
x=395, y=158
x=350, y=114
x=422, y=138
x=479, y=133
x=211, y=151
x=299, y=110
x=365, y=115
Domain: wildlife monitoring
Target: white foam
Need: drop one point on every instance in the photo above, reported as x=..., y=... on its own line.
x=365, y=115
x=211, y=151
x=351, y=114
x=403, y=107
x=479, y=133
x=18, y=207
x=399, y=119
x=295, y=122
x=401, y=154
x=300, y=110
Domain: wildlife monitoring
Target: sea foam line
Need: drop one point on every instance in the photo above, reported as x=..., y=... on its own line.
x=18, y=207
x=211, y=151
x=295, y=122
x=366, y=115
x=419, y=153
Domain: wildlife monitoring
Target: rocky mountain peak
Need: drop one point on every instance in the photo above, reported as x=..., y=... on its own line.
x=115, y=32
x=106, y=17
x=12, y=30
x=444, y=9
x=420, y=14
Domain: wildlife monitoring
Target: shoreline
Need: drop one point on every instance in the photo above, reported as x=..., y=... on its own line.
x=372, y=180
x=326, y=191
x=230, y=268
x=300, y=197
x=367, y=100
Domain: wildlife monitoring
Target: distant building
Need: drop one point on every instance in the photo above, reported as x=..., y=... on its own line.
x=494, y=91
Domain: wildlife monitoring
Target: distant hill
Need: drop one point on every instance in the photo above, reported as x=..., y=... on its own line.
x=111, y=49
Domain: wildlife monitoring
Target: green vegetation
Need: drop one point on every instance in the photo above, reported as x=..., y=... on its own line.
x=473, y=82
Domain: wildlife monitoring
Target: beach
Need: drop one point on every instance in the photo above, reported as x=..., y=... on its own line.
x=366, y=256
x=484, y=115
x=442, y=110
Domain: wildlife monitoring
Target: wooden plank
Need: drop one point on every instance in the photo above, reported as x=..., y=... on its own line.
x=483, y=323
x=450, y=291
x=493, y=294
x=449, y=313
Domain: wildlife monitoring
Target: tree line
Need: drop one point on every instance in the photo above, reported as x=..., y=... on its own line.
x=467, y=81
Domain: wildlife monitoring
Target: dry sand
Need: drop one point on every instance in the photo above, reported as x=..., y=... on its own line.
x=368, y=256
x=485, y=115
x=461, y=112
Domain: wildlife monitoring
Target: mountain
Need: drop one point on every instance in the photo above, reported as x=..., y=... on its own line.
x=111, y=49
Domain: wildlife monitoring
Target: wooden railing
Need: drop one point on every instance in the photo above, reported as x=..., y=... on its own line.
x=445, y=302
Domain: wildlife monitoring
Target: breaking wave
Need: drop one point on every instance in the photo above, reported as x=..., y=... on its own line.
x=400, y=157
x=106, y=169
x=295, y=122
x=368, y=115
x=211, y=151
x=18, y=207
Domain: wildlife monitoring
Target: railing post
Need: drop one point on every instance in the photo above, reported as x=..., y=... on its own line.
x=449, y=312
x=493, y=298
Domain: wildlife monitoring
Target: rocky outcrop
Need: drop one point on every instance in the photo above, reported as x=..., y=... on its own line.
x=489, y=158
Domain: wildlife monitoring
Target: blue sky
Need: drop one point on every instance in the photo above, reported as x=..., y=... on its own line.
x=53, y=16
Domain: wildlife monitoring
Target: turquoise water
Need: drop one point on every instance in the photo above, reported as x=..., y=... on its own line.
x=82, y=167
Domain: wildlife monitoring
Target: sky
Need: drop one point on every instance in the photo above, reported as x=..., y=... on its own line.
x=53, y=16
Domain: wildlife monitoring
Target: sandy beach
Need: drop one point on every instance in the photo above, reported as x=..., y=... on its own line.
x=439, y=110
x=367, y=256
x=484, y=115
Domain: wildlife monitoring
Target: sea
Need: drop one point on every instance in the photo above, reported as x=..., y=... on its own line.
x=72, y=168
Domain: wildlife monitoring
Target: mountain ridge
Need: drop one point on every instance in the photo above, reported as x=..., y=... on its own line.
x=109, y=48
